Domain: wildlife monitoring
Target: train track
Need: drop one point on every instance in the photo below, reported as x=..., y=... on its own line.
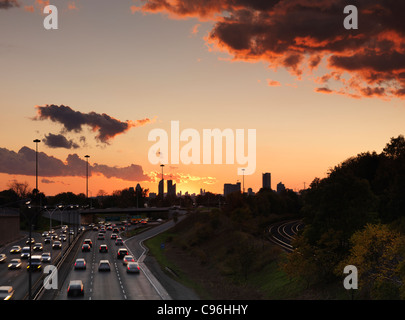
x=283, y=233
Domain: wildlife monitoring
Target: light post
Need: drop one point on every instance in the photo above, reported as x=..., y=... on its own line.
x=243, y=181
x=87, y=176
x=36, y=164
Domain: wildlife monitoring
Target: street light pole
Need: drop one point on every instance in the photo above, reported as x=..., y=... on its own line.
x=87, y=176
x=36, y=165
x=243, y=180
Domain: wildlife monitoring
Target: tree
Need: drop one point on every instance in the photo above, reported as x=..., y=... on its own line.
x=20, y=188
x=378, y=254
x=395, y=148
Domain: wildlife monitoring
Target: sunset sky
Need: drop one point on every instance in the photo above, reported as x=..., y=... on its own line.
x=315, y=92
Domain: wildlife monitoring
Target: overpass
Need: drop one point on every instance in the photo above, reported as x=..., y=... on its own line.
x=87, y=215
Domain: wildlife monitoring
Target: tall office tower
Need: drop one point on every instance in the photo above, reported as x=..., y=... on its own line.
x=266, y=180
x=171, y=188
x=161, y=188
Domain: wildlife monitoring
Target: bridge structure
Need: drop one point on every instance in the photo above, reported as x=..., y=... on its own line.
x=88, y=215
x=75, y=216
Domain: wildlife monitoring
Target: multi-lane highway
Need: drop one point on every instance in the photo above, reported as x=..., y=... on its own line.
x=116, y=284
x=19, y=278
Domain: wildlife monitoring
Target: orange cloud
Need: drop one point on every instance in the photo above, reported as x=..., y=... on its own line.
x=273, y=83
x=299, y=35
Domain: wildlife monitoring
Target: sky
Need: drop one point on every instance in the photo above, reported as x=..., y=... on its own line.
x=315, y=92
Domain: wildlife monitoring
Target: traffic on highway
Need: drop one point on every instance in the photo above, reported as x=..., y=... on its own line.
x=105, y=269
x=100, y=266
x=46, y=248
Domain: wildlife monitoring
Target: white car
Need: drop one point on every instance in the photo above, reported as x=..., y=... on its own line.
x=6, y=292
x=46, y=257
x=104, y=265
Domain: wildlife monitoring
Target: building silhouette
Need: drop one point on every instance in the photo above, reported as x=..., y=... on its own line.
x=266, y=180
x=280, y=187
x=171, y=188
x=161, y=188
x=229, y=188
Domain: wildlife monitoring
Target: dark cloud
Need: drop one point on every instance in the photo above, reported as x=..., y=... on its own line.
x=23, y=163
x=132, y=173
x=7, y=4
x=299, y=34
x=59, y=141
x=106, y=126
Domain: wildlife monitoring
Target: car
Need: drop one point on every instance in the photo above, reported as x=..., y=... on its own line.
x=57, y=245
x=80, y=264
x=6, y=292
x=121, y=253
x=35, y=263
x=113, y=236
x=127, y=259
x=133, y=267
x=89, y=242
x=86, y=247
x=37, y=247
x=14, y=264
x=63, y=237
x=46, y=257
x=25, y=253
x=100, y=236
x=54, y=237
x=104, y=265
x=3, y=258
x=47, y=239
x=15, y=249
x=75, y=288
x=30, y=240
x=45, y=234
x=116, y=230
x=119, y=242
x=103, y=248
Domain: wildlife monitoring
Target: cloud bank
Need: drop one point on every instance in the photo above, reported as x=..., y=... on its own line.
x=105, y=126
x=23, y=163
x=303, y=35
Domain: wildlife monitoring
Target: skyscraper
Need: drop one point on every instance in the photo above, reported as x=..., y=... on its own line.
x=161, y=187
x=171, y=188
x=266, y=180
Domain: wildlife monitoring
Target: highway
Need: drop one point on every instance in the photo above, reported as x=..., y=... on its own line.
x=114, y=285
x=18, y=278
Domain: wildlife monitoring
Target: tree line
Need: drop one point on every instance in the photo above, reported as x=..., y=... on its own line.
x=356, y=216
